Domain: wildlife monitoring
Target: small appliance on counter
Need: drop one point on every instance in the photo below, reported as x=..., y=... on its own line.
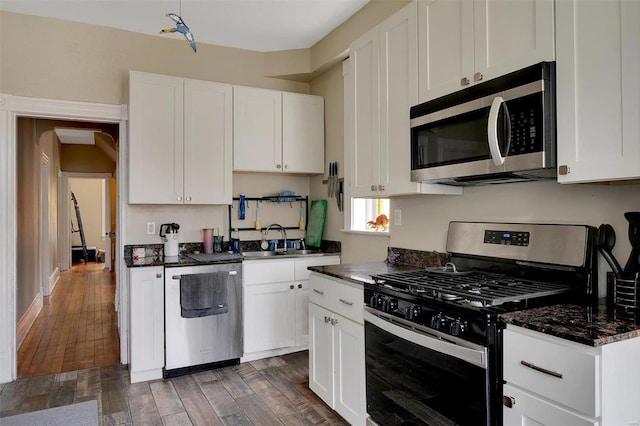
x=169, y=235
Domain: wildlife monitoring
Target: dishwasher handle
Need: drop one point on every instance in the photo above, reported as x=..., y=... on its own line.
x=177, y=277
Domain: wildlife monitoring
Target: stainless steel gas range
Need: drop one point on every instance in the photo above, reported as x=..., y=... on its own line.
x=433, y=337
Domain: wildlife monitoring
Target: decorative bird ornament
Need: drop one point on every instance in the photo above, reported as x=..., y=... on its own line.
x=182, y=28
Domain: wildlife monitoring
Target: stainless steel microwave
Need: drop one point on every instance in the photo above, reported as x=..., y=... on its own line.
x=499, y=131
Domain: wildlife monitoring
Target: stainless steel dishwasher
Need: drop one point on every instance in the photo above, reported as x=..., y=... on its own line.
x=206, y=342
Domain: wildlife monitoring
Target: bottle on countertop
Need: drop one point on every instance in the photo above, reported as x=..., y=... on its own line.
x=235, y=240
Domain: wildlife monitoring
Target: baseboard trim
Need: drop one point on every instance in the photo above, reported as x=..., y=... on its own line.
x=29, y=317
x=53, y=280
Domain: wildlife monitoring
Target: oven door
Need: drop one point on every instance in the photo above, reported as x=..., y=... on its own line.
x=415, y=376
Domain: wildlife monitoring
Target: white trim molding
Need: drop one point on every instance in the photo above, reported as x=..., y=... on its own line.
x=29, y=317
x=12, y=107
x=53, y=279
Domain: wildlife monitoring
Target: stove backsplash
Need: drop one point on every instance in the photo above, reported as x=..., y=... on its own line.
x=423, y=259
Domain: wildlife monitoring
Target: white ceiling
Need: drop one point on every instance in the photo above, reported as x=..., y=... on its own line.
x=260, y=25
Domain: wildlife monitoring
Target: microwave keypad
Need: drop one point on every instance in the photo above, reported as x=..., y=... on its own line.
x=523, y=132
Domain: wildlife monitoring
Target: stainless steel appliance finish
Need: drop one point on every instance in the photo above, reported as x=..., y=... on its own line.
x=499, y=131
x=432, y=337
x=191, y=342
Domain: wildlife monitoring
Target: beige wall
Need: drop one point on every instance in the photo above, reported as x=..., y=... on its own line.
x=28, y=253
x=89, y=194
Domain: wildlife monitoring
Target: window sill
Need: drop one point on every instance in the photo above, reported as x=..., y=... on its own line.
x=368, y=233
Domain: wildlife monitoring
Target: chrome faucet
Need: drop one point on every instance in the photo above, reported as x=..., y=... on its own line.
x=284, y=234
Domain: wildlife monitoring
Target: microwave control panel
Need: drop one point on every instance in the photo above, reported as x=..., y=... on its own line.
x=525, y=119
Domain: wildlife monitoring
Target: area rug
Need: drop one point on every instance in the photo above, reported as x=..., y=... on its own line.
x=82, y=414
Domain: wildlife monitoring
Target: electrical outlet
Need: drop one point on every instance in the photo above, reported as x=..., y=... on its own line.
x=151, y=228
x=397, y=217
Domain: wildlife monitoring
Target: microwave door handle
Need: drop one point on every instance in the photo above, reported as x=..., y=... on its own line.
x=492, y=130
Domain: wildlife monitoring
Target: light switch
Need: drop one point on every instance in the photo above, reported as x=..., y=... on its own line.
x=151, y=228
x=397, y=217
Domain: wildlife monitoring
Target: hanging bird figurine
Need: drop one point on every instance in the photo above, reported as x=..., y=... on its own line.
x=181, y=27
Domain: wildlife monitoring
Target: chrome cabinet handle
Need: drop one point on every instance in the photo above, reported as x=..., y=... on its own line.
x=179, y=198
x=508, y=401
x=346, y=302
x=158, y=275
x=478, y=76
x=278, y=166
x=188, y=198
x=291, y=286
x=318, y=291
x=233, y=272
x=334, y=321
x=380, y=187
x=374, y=187
x=327, y=319
x=299, y=285
x=464, y=81
x=541, y=369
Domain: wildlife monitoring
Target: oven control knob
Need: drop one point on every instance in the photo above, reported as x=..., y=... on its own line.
x=412, y=312
x=438, y=321
x=389, y=304
x=457, y=327
x=375, y=301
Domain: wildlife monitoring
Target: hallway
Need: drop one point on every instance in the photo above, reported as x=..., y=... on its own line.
x=77, y=329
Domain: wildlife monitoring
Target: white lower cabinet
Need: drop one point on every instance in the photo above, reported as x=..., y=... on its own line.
x=336, y=346
x=146, y=323
x=276, y=294
x=555, y=382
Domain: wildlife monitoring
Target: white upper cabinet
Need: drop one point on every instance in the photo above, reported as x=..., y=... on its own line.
x=277, y=132
x=302, y=133
x=180, y=140
x=384, y=85
x=463, y=42
x=598, y=90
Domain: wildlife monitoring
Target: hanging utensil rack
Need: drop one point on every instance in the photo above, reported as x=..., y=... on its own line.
x=286, y=199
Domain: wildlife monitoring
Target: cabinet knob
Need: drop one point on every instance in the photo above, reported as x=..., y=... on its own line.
x=564, y=170
x=179, y=198
x=464, y=81
x=334, y=321
x=380, y=187
x=374, y=187
x=327, y=319
x=158, y=275
x=508, y=401
x=291, y=286
x=299, y=285
x=478, y=76
x=278, y=166
x=188, y=198
x=285, y=166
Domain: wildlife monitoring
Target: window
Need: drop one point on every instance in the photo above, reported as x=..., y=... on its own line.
x=365, y=210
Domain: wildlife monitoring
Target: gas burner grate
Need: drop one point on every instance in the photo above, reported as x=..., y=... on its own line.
x=481, y=288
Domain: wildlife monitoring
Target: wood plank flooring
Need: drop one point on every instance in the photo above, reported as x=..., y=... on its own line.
x=273, y=391
x=77, y=328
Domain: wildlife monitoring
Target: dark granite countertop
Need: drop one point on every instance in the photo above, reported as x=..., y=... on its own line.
x=361, y=272
x=589, y=325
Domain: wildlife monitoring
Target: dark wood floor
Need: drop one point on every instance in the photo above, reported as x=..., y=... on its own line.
x=77, y=329
x=273, y=391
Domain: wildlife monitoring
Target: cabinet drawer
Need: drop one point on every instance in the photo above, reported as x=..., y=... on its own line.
x=348, y=301
x=267, y=271
x=302, y=273
x=320, y=291
x=557, y=371
x=529, y=409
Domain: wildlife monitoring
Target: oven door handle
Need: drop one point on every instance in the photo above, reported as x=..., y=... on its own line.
x=477, y=357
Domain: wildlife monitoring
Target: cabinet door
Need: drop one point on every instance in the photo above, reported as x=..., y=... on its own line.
x=510, y=35
x=598, y=63
x=302, y=313
x=146, y=333
x=527, y=409
x=269, y=316
x=208, y=109
x=445, y=33
x=348, y=360
x=365, y=154
x=302, y=133
x=257, y=129
x=398, y=92
x=155, y=139
x=321, y=353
